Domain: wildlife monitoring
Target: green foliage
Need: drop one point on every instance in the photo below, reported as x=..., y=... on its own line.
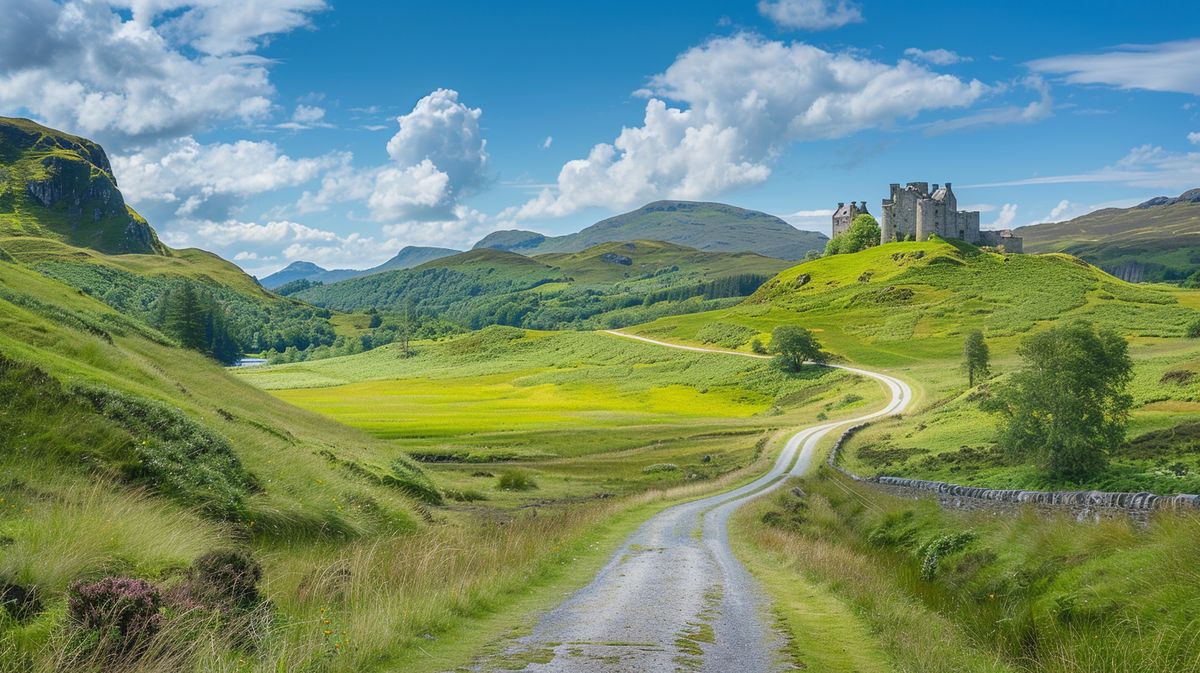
x=298, y=285
x=175, y=455
x=932, y=552
x=863, y=233
x=1067, y=407
x=793, y=346
x=1193, y=330
x=756, y=346
x=515, y=480
x=725, y=334
x=976, y=357
x=198, y=322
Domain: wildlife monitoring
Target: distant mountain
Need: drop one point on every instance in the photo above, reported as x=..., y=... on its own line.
x=59, y=186
x=713, y=227
x=1157, y=240
x=407, y=258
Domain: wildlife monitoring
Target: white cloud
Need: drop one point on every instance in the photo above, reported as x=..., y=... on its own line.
x=981, y=207
x=1057, y=211
x=463, y=228
x=439, y=157
x=1166, y=66
x=1194, y=137
x=173, y=68
x=744, y=100
x=811, y=14
x=306, y=117
x=1008, y=213
x=809, y=219
x=190, y=173
x=547, y=142
x=1146, y=166
x=1005, y=115
x=936, y=56
x=233, y=231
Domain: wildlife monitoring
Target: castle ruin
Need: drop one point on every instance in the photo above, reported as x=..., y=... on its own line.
x=914, y=213
x=845, y=214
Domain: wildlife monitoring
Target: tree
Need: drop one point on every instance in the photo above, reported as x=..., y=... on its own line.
x=976, y=357
x=793, y=346
x=863, y=233
x=1067, y=407
x=182, y=317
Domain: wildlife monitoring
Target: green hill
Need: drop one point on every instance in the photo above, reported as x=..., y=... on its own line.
x=407, y=258
x=713, y=227
x=608, y=285
x=56, y=185
x=1154, y=241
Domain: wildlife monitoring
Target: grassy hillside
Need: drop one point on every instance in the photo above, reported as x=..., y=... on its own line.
x=906, y=307
x=55, y=185
x=1155, y=241
x=713, y=227
x=608, y=285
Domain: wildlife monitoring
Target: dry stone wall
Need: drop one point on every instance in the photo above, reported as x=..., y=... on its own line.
x=1083, y=505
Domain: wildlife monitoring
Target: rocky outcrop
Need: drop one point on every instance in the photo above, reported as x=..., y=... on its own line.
x=55, y=184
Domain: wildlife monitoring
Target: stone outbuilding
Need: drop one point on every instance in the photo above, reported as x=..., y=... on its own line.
x=845, y=214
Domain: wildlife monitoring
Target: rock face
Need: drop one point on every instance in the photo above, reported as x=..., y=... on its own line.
x=1190, y=196
x=56, y=185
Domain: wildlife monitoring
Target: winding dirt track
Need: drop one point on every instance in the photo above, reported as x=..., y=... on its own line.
x=674, y=597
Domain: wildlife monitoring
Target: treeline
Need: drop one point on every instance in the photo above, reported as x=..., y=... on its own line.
x=741, y=285
x=254, y=323
x=197, y=321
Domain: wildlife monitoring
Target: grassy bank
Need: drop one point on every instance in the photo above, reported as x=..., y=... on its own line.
x=953, y=591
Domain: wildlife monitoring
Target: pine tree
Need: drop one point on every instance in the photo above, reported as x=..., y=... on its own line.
x=976, y=357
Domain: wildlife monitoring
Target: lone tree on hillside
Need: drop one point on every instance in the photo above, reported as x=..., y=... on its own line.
x=793, y=346
x=976, y=357
x=1067, y=407
x=863, y=233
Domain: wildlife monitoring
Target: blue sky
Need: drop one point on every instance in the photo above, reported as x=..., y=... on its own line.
x=337, y=132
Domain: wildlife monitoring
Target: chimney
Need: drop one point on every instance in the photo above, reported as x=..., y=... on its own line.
x=935, y=186
x=841, y=203
x=947, y=186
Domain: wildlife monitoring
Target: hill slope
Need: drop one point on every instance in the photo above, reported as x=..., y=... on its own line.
x=407, y=258
x=607, y=285
x=713, y=227
x=56, y=185
x=1153, y=241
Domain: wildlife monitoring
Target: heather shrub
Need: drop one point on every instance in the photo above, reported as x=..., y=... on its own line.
x=228, y=578
x=120, y=613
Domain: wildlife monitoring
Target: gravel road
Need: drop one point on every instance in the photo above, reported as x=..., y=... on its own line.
x=674, y=597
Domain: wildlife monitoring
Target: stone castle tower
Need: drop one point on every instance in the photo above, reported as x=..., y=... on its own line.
x=914, y=212
x=845, y=214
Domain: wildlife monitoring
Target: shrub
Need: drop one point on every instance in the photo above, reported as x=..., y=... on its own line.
x=660, y=467
x=122, y=613
x=1193, y=330
x=932, y=552
x=228, y=578
x=20, y=602
x=757, y=346
x=516, y=480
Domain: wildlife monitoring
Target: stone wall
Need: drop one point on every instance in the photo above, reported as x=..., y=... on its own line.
x=1083, y=505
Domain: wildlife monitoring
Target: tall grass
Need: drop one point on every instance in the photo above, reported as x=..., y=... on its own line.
x=1025, y=593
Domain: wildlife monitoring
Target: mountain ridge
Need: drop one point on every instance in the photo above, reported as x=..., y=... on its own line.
x=703, y=225
x=409, y=256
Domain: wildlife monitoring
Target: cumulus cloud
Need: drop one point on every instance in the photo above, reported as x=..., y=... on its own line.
x=1194, y=137
x=1062, y=207
x=439, y=157
x=811, y=14
x=1008, y=213
x=169, y=69
x=743, y=100
x=306, y=117
x=190, y=174
x=1148, y=166
x=936, y=56
x=1166, y=66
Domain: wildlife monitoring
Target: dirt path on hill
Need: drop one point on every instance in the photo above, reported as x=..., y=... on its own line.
x=674, y=597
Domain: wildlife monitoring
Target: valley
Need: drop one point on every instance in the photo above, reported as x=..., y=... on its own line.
x=575, y=455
